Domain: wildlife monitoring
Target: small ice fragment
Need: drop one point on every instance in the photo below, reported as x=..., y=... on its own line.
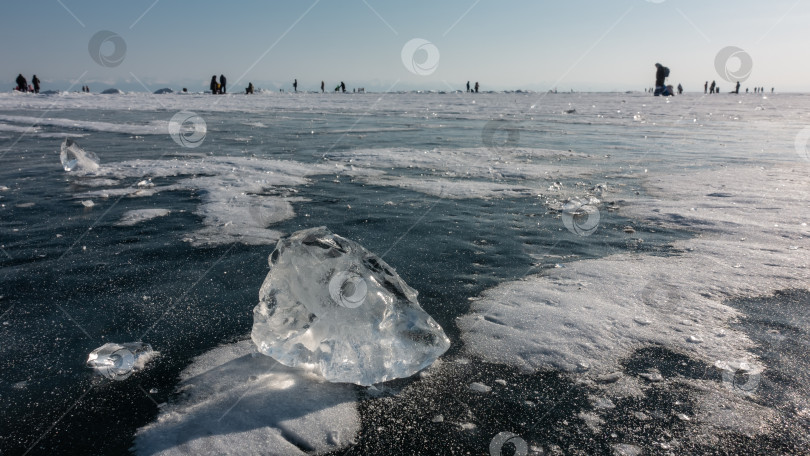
x=88, y=203
x=501, y=382
x=153, y=391
x=629, y=230
x=480, y=387
x=694, y=339
x=642, y=321
x=74, y=158
x=119, y=361
x=653, y=376
x=438, y=419
x=330, y=305
x=626, y=449
x=684, y=417
x=467, y=426
x=610, y=378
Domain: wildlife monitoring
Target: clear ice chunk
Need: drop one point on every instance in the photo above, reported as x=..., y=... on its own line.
x=331, y=306
x=74, y=158
x=119, y=361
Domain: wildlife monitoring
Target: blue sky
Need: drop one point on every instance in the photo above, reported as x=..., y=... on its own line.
x=537, y=45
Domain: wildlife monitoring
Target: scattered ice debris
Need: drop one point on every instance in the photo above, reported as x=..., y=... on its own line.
x=480, y=387
x=438, y=419
x=88, y=203
x=610, y=378
x=330, y=305
x=74, y=158
x=500, y=382
x=602, y=403
x=134, y=217
x=629, y=230
x=24, y=205
x=683, y=417
x=119, y=361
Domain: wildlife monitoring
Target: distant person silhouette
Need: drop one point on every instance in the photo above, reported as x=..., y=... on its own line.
x=680, y=89
x=661, y=74
x=706, y=87
x=35, y=81
x=342, y=87
x=295, y=86
x=22, y=84
x=712, y=87
x=476, y=86
x=468, y=86
x=222, y=83
x=249, y=90
x=771, y=89
x=737, y=88
x=214, y=85
x=322, y=86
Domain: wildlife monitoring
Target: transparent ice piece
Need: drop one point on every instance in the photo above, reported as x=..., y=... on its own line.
x=74, y=158
x=119, y=361
x=331, y=306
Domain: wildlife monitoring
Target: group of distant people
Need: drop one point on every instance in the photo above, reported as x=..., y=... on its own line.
x=23, y=86
x=713, y=88
x=662, y=72
x=475, y=88
x=218, y=87
x=86, y=89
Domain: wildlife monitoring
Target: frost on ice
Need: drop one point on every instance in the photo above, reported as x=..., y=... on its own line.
x=74, y=158
x=119, y=361
x=330, y=305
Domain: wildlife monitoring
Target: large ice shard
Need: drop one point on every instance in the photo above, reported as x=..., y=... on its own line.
x=74, y=158
x=330, y=305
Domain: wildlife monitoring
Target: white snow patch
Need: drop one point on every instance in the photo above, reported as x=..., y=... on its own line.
x=236, y=401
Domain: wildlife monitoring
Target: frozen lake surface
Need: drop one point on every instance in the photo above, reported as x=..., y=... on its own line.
x=616, y=273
